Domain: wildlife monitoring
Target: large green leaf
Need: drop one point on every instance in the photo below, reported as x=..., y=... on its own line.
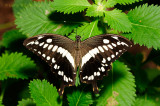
x=80, y=97
x=70, y=6
x=26, y=102
x=44, y=94
x=39, y=17
x=146, y=24
x=16, y=65
x=87, y=30
x=118, y=87
x=11, y=37
x=18, y=5
x=118, y=20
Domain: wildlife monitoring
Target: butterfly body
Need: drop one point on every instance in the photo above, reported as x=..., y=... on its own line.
x=93, y=56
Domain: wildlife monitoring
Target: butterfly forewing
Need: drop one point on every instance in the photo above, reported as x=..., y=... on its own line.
x=97, y=55
x=58, y=52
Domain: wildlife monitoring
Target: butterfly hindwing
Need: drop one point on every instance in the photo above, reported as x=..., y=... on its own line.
x=58, y=52
x=98, y=53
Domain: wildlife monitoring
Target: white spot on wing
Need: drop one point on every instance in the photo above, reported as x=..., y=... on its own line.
x=118, y=43
x=104, y=60
x=49, y=40
x=106, y=41
x=45, y=45
x=40, y=37
x=112, y=56
x=30, y=43
x=55, y=66
x=105, y=47
x=95, y=51
x=98, y=73
x=102, y=68
x=115, y=37
x=44, y=55
x=109, y=59
x=49, y=47
x=48, y=58
x=39, y=52
x=36, y=43
x=114, y=44
x=100, y=48
x=65, y=53
x=110, y=46
x=123, y=43
x=41, y=44
x=116, y=53
x=55, y=48
x=53, y=60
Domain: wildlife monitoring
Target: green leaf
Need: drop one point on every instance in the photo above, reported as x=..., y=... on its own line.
x=39, y=18
x=12, y=36
x=80, y=98
x=1, y=103
x=144, y=102
x=27, y=102
x=16, y=65
x=18, y=5
x=152, y=73
x=97, y=9
x=70, y=6
x=87, y=30
x=124, y=2
x=118, y=20
x=110, y=3
x=44, y=94
x=146, y=24
x=118, y=87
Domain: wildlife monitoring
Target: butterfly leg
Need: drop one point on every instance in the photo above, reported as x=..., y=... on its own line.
x=95, y=87
x=61, y=89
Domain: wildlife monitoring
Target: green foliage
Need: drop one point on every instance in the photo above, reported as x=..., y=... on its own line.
x=16, y=65
x=18, y=5
x=1, y=103
x=70, y=6
x=144, y=102
x=27, y=102
x=96, y=10
x=87, y=30
x=86, y=18
x=118, y=20
x=37, y=19
x=124, y=2
x=110, y=3
x=44, y=94
x=145, y=22
x=118, y=87
x=12, y=36
x=80, y=97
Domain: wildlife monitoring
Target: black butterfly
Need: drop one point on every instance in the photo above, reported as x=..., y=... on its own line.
x=93, y=56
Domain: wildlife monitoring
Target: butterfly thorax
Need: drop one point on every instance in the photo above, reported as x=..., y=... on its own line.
x=78, y=40
x=77, y=50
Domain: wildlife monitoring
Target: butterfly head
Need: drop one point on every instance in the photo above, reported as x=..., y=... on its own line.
x=78, y=38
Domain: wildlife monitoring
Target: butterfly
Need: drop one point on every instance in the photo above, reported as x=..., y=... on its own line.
x=93, y=56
